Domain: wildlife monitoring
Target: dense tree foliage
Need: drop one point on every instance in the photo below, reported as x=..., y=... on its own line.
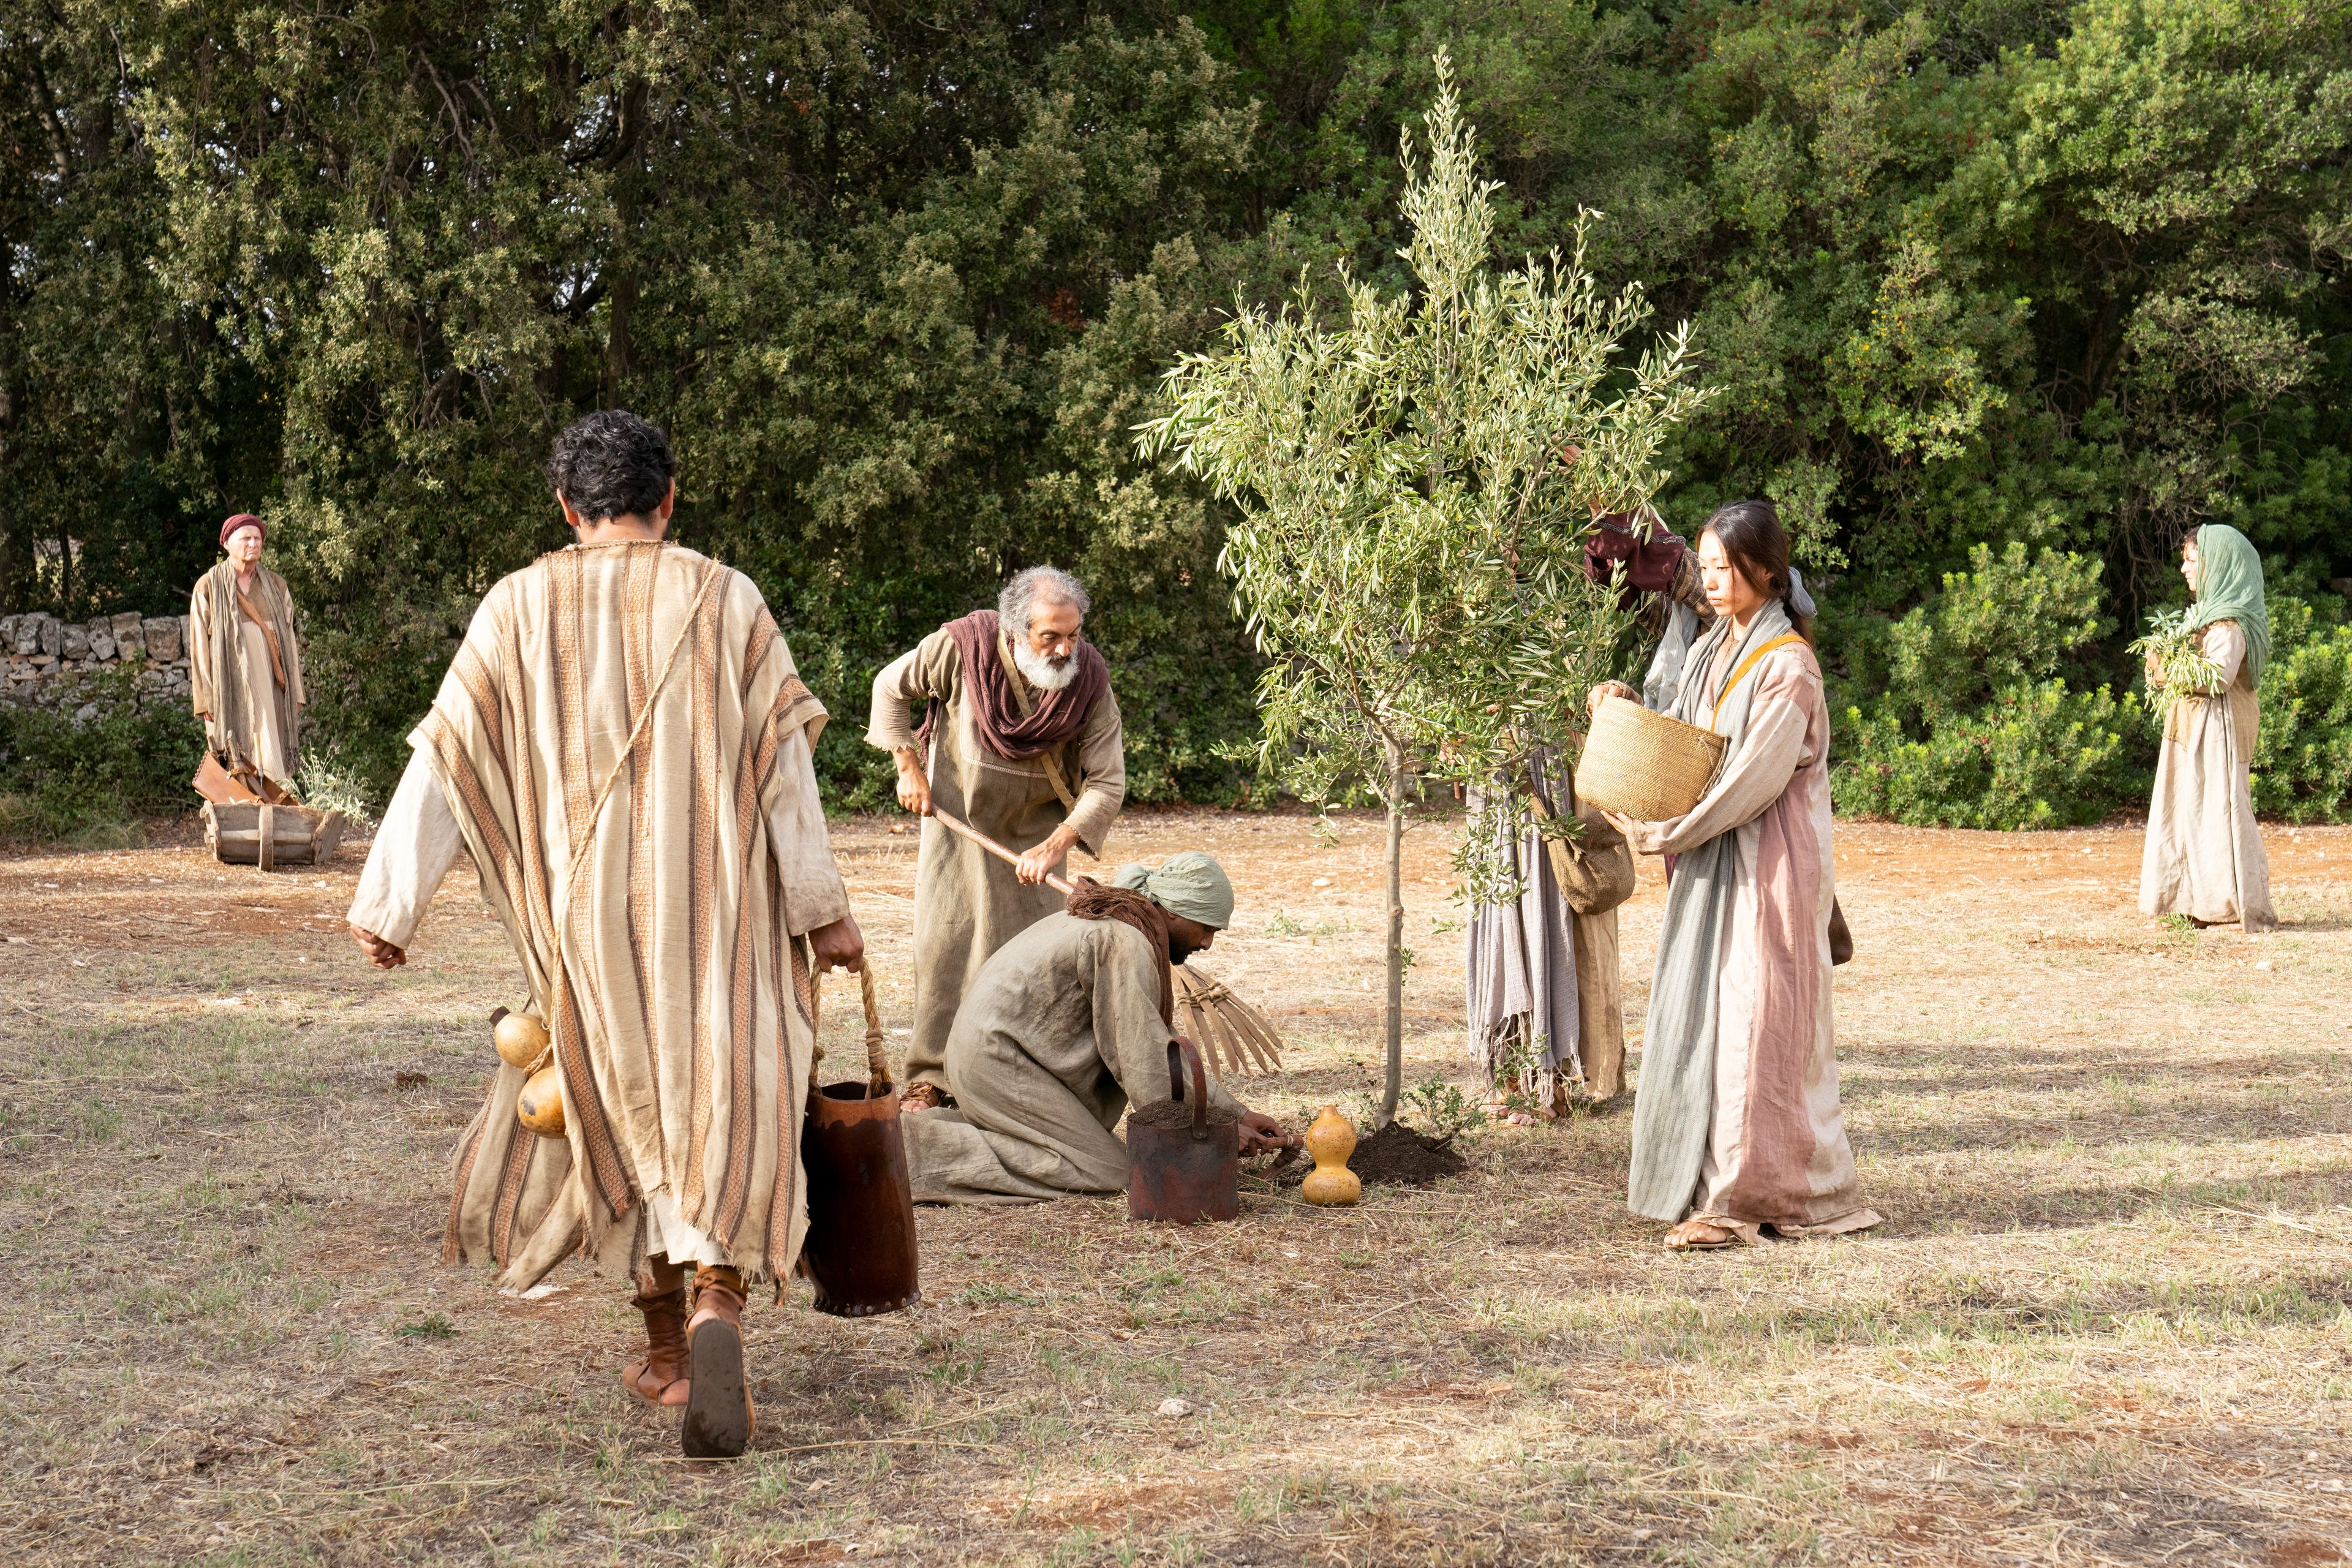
x=900, y=278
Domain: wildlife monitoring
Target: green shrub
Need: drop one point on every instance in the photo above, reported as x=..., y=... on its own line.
x=90, y=782
x=2037, y=755
x=2303, y=760
x=1974, y=723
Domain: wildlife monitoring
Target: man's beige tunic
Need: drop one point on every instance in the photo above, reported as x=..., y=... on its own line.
x=656, y=923
x=251, y=718
x=968, y=903
x=1061, y=1030
x=2204, y=855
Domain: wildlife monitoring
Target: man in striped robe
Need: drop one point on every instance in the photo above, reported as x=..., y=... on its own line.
x=622, y=746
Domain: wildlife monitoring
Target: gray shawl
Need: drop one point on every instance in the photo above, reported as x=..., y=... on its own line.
x=1522, y=975
x=1675, y=1101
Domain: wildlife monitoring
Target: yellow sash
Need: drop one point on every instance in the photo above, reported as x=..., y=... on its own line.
x=1783, y=640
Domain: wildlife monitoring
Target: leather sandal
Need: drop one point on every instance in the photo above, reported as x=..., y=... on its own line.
x=925, y=1096
x=719, y=1416
x=660, y=1378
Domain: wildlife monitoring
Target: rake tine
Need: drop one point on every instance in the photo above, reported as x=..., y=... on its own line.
x=1268, y=1043
x=1213, y=1032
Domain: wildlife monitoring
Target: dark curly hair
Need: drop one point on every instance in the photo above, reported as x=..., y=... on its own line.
x=612, y=463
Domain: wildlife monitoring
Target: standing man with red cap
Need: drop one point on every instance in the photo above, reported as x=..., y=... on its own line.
x=245, y=667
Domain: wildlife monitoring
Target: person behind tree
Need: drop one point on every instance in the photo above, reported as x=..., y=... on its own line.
x=1737, y=1125
x=2204, y=856
x=244, y=664
x=1066, y=1026
x=1024, y=741
x=1543, y=984
x=623, y=744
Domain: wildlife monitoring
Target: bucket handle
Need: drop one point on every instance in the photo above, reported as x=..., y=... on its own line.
x=877, y=1061
x=1191, y=1057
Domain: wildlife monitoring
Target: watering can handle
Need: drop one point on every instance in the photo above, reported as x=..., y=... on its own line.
x=1191, y=1058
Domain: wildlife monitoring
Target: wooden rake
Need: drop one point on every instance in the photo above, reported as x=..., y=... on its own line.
x=1235, y=1037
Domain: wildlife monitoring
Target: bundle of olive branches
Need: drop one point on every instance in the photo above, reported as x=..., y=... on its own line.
x=2177, y=664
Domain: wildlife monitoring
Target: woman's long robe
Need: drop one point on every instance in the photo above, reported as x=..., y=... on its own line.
x=1736, y=1117
x=2204, y=857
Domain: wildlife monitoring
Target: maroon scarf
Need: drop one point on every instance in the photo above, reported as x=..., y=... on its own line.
x=1091, y=900
x=1058, y=716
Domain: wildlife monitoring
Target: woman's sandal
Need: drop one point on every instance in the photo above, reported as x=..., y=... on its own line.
x=1700, y=1236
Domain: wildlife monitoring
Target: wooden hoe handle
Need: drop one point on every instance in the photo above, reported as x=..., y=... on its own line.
x=1059, y=884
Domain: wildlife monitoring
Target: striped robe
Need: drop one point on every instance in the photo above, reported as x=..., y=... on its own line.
x=654, y=896
x=1737, y=1119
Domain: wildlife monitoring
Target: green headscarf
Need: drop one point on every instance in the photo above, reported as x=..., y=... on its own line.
x=1190, y=884
x=2230, y=588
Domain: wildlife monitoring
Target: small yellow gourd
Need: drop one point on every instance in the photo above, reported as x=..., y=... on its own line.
x=1331, y=1140
x=540, y=1107
x=519, y=1038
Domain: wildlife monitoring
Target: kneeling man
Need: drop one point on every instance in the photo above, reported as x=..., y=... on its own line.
x=1062, y=1029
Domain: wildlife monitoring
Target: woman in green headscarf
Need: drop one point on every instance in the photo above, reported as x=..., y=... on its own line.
x=2204, y=857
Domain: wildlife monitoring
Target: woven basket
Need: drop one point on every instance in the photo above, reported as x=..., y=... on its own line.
x=1645, y=765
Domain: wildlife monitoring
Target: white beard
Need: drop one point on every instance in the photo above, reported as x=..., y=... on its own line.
x=1042, y=672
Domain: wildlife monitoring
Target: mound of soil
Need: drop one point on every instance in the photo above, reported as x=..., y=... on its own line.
x=1396, y=1156
x=1176, y=1113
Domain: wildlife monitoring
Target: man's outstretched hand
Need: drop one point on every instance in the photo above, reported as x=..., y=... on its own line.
x=1261, y=1133
x=380, y=953
x=840, y=946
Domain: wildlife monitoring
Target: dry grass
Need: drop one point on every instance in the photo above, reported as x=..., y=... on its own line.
x=2106, y=1324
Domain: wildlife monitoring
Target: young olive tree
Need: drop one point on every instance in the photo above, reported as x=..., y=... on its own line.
x=1413, y=490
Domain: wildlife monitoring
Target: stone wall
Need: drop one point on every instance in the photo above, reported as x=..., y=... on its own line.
x=49, y=661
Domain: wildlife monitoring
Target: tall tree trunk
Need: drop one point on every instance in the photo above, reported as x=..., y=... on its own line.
x=1392, y=1086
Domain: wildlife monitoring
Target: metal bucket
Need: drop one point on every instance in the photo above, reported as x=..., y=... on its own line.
x=860, y=1253
x=1183, y=1158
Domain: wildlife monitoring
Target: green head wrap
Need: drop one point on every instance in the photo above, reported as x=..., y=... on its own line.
x=2230, y=588
x=1190, y=884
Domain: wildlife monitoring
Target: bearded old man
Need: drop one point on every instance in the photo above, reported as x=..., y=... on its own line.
x=622, y=745
x=1023, y=741
x=244, y=667
x=1065, y=1027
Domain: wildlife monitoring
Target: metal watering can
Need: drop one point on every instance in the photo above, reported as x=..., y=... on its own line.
x=1184, y=1156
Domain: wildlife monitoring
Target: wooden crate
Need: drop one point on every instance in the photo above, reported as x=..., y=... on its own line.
x=271, y=836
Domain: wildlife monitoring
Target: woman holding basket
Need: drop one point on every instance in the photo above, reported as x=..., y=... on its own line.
x=1736, y=1125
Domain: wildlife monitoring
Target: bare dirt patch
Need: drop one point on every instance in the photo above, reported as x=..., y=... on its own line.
x=2106, y=1322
